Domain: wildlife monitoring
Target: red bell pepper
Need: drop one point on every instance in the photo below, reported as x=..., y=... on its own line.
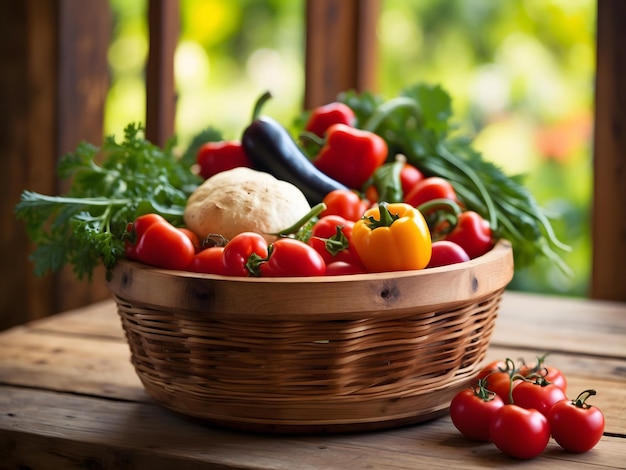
x=351, y=155
x=322, y=117
x=472, y=233
x=215, y=157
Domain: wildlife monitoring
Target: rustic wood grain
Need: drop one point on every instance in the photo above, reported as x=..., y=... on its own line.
x=27, y=149
x=53, y=84
x=608, y=225
x=341, y=48
x=163, y=25
x=70, y=399
x=79, y=432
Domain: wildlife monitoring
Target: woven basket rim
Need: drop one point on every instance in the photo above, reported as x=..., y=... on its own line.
x=500, y=249
x=350, y=296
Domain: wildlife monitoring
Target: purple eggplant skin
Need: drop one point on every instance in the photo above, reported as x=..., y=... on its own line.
x=271, y=148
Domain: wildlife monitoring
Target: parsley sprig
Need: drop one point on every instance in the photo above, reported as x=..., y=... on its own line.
x=85, y=226
x=417, y=124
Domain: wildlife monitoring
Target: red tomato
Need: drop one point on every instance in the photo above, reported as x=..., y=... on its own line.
x=289, y=257
x=471, y=411
x=540, y=395
x=238, y=250
x=193, y=237
x=340, y=268
x=548, y=372
x=344, y=203
x=409, y=177
x=208, y=261
x=519, y=432
x=136, y=229
x=215, y=157
x=498, y=378
x=428, y=189
x=331, y=237
x=575, y=425
x=445, y=252
x=164, y=246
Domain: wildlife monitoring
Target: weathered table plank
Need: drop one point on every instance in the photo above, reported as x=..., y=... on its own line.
x=42, y=429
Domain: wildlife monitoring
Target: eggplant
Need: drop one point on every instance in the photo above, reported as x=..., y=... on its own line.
x=271, y=148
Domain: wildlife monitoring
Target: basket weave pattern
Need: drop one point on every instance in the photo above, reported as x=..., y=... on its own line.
x=309, y=373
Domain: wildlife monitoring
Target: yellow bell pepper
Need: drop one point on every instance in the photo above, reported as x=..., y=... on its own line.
x=392, y=237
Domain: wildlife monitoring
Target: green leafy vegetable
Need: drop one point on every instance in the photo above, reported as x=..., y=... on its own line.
x=84, y=227
x=417, y=125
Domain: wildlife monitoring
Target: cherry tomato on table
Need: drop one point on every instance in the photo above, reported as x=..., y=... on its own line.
x=575, y=425
x=471, y=411
x=498, y=377
x=519, y=432
x=539, y=394
x=548, y=372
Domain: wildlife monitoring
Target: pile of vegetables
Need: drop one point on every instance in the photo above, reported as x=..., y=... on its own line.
x=365, y=185
x=519, y=407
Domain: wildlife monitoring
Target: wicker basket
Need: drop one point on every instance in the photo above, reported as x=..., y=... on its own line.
x=323, y=354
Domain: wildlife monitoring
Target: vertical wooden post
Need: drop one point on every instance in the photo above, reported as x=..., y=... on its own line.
x=28, y=145
x=53, y=57
x=163, y=25
x=341, y=48
x=609, y=203
x=84, y=33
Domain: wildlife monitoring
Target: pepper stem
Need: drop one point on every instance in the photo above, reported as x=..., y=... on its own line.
x=386, y=217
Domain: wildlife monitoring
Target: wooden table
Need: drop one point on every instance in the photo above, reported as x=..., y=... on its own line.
x=69, y=399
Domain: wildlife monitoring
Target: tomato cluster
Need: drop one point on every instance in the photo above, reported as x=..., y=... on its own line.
x=152, y=240
x=518, y=409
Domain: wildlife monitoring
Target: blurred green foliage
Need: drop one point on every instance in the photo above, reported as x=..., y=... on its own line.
x=521, y=74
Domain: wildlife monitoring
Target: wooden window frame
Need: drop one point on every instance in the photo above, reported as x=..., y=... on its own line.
x=54, y=82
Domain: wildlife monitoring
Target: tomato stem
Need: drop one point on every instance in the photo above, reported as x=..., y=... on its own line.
x=314, y=212
x=482, y=392
x=580, y=400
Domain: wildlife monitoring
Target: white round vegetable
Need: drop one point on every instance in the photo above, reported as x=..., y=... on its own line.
x=244, y=200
